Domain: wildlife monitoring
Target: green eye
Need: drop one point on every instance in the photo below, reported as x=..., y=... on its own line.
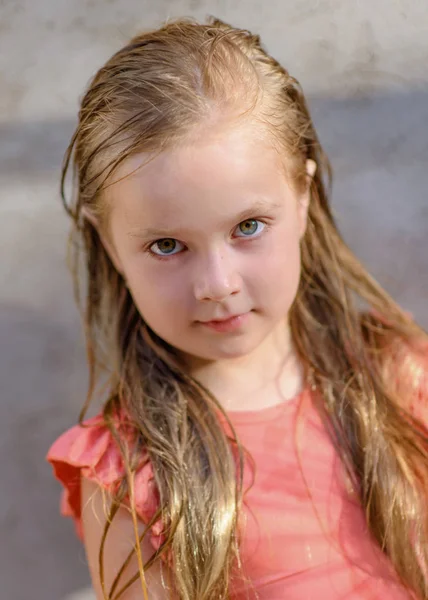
x=249, y=227
x=166, y=247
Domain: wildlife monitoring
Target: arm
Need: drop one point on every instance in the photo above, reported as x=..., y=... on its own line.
x=119, y=542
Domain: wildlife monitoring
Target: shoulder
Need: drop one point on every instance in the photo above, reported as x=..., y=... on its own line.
x=405, y=372
x=90, y=452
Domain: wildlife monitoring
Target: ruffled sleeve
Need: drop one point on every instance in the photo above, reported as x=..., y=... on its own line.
x=407, y=370
x=90, y=451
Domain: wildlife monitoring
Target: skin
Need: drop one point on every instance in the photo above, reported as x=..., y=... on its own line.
x=119, y=543
x=205, y=231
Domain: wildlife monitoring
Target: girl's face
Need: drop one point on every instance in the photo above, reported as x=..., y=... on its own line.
x=207, y=237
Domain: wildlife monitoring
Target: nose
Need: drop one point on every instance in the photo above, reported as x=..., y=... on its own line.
x=217, y=278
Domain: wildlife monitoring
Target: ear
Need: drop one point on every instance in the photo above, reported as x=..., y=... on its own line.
x=305, y=198
x=311, y=167
x=89, y=216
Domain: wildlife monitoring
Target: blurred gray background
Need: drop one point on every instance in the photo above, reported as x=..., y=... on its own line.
x=364, y=67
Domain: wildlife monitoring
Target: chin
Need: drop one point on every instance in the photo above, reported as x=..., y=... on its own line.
x=230, y=350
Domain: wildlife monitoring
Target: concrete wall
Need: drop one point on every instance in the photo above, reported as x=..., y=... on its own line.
x=51, y=47
x=364, y=65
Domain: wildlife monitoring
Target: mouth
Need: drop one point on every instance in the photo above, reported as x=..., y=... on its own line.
x=228, y=323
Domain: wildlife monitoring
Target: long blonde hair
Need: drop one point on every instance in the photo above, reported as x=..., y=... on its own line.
x=150, y=96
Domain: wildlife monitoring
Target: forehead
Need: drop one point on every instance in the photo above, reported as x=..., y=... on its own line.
x=212, y=176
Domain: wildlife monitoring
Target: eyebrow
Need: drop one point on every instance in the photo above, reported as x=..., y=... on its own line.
x=255, y=210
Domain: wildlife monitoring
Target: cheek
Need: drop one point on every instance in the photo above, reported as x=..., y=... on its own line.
x=282, y=271
x=279, y=271
x=158, y=291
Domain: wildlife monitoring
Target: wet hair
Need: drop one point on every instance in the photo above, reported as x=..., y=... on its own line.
x=152, y=95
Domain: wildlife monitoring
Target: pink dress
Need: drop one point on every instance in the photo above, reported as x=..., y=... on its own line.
x=304, y=533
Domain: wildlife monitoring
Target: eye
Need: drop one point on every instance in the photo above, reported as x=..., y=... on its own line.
x=166, y=247
x=249, y=227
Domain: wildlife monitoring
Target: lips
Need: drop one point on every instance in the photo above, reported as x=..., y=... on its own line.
x=227, y=324
x=222, y=320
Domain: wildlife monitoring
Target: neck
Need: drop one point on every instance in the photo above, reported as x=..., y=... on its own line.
x=270, y=374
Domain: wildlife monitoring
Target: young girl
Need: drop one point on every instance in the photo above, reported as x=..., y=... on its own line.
x=263, y=428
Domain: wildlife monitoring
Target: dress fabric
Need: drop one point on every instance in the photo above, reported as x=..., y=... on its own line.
x=303, y=532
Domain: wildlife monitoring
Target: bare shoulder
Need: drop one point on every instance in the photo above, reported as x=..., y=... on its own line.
x=119, y=543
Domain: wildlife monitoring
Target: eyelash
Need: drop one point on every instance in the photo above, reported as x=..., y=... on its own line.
x=169, y=256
